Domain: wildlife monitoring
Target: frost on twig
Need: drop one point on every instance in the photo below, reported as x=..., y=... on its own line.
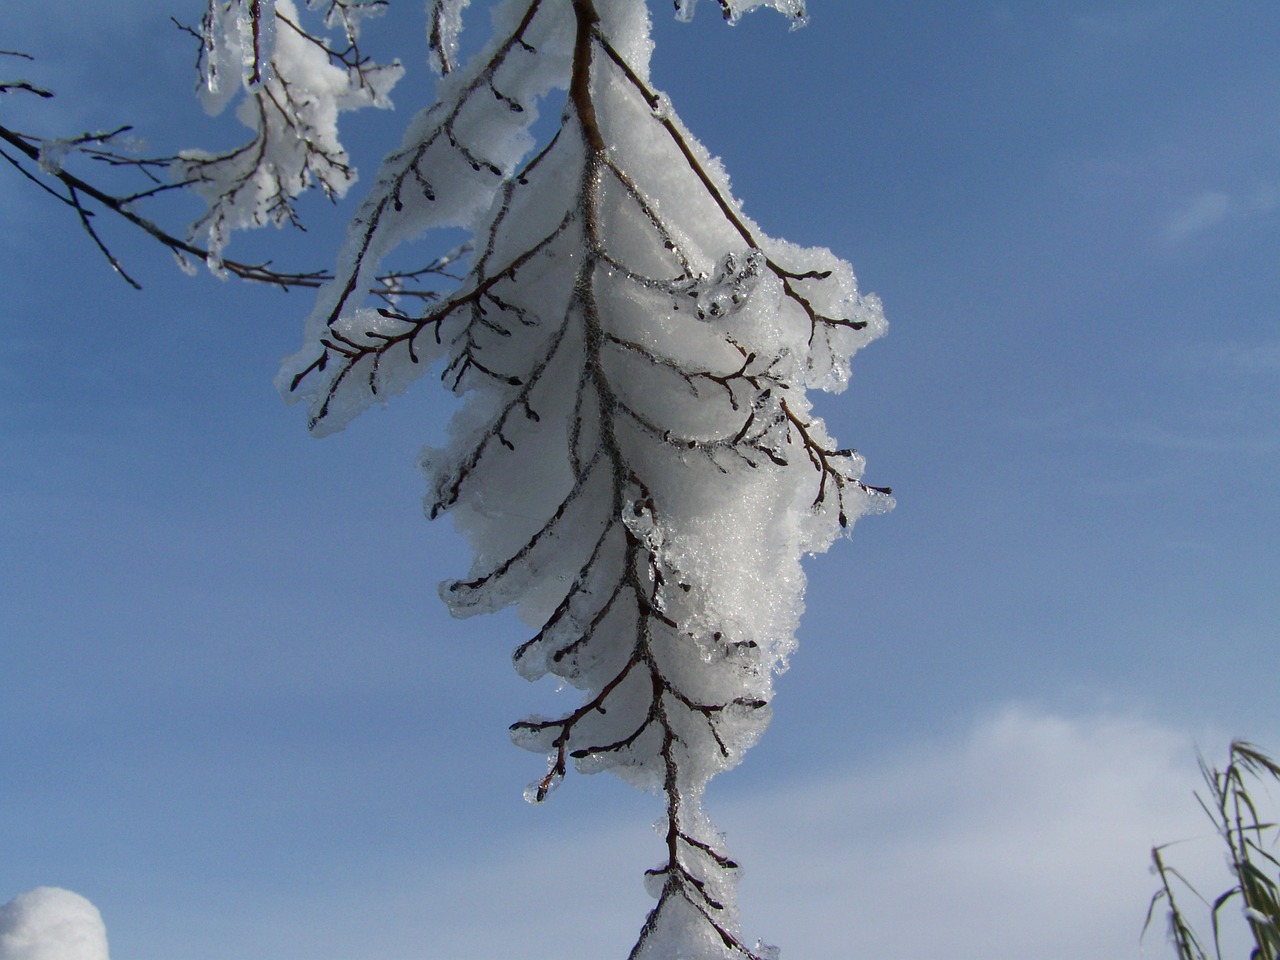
x=639, y=469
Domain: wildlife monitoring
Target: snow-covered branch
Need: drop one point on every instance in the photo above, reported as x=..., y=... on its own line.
x=638, y=469
x=293, y=83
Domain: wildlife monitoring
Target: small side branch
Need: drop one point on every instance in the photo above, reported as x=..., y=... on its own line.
x=78, y=191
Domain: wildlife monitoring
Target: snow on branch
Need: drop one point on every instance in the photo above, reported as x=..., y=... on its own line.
x=458, y=155
x=638, y=468
x=294, y=84
x=39, y=159
x=732, y=10
x=444, y=24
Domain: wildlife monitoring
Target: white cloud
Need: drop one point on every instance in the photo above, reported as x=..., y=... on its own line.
x=1029, y=837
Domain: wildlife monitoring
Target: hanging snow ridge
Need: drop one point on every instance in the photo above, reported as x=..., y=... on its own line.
x=638, y=467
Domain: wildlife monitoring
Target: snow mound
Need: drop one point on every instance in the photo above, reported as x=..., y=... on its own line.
x=49, y=923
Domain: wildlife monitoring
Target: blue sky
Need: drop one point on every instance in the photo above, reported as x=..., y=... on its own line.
x=234, y=714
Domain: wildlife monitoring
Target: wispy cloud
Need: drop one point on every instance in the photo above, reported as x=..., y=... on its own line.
x=1207, y=210
x=1249, y=359
x=1131, y=24
x=1225, y=440
x=1213, y=208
